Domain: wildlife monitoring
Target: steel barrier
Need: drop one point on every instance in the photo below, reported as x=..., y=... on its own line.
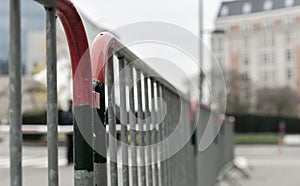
x=150, y=168
x=112, y=71
x=211, y=161
x=133, y=76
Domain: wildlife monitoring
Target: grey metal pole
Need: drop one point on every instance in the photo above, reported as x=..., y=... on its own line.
x=165, y=135
x=124, y=121
x=112, y=123
x=154, y=135
x=132, y=120
x=200, y=50
x=15, y=101
x=148, y=137
x=52, y=114
x=168, y=125
x=100, y=136
x=201, y=75
x=141, y=137
x=160, y=135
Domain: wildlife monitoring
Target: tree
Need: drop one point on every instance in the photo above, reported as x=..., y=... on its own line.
x=276, y=101
x=238, y=90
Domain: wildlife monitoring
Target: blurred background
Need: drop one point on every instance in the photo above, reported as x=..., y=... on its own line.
x=254, y=42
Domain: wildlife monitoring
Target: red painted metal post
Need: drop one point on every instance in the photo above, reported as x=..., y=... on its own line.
x=82, y=91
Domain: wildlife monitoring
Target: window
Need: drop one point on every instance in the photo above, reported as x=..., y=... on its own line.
x=247, y=27
x=218, y=44
x=246, y=76
x=246, y=60
x=265, y=58
x=268, y=57
x=268, y=5
x=274, y=75
x=269, y=39
x=289, y=3
x=288, y=55
x=247, y=7
x=267, y=24
x=273, y=57
x=246, y=41
x=224, y=11
x=288, y=20
x=289, y=74
x=266, y=39
x=288, y=37
x=273, y=40
x=265, y=76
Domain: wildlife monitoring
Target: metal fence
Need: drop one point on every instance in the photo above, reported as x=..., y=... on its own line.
x=110, y=85
x=219, y=154
x=142, y=121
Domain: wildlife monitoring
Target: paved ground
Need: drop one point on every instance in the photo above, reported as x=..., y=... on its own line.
x=34, y=165
x=266, y=166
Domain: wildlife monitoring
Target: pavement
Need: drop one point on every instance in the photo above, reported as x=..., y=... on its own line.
x=265, y=164
x=34, y=165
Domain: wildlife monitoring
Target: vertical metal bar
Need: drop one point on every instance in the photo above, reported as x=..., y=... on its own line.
x=179, y=167
x=124, y=121
x=100, y=161
x=154, y=134
x=174, y=125
x=141, y=139
x=160, y=134
x=201, y=75
x=112, y=123
x=167, y=125
x=165, y=163
x=15, y=97
x=52, y=115
x=170, y=128
x=132, y=120
x=148, y=137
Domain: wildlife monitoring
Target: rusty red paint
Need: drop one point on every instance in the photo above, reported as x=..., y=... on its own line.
x=79, y=51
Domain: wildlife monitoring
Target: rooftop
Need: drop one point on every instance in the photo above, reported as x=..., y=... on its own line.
x=242, y=7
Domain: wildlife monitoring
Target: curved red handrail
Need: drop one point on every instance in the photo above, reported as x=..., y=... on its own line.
x=79, y=51
x=102, y=49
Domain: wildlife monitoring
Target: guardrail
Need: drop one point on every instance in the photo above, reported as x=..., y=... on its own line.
x=150, y=86
x=38, y=129
x=156, y=146
x=210, y=162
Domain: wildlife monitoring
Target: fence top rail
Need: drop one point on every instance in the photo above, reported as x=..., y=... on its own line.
x=106, y=45
x=78, y=48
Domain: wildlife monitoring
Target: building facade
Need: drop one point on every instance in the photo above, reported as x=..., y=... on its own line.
x=261, y=41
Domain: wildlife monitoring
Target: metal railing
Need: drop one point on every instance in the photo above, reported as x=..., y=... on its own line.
x=135, y=77
x=211, y=161
x=156, y=166
x=155, y=135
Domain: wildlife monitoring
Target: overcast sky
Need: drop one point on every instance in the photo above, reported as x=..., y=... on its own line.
x=115, y=13
x=112, y=14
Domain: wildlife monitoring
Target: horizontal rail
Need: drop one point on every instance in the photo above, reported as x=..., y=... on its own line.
x=106, y=43
x=42, y=129
x=38, y=129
